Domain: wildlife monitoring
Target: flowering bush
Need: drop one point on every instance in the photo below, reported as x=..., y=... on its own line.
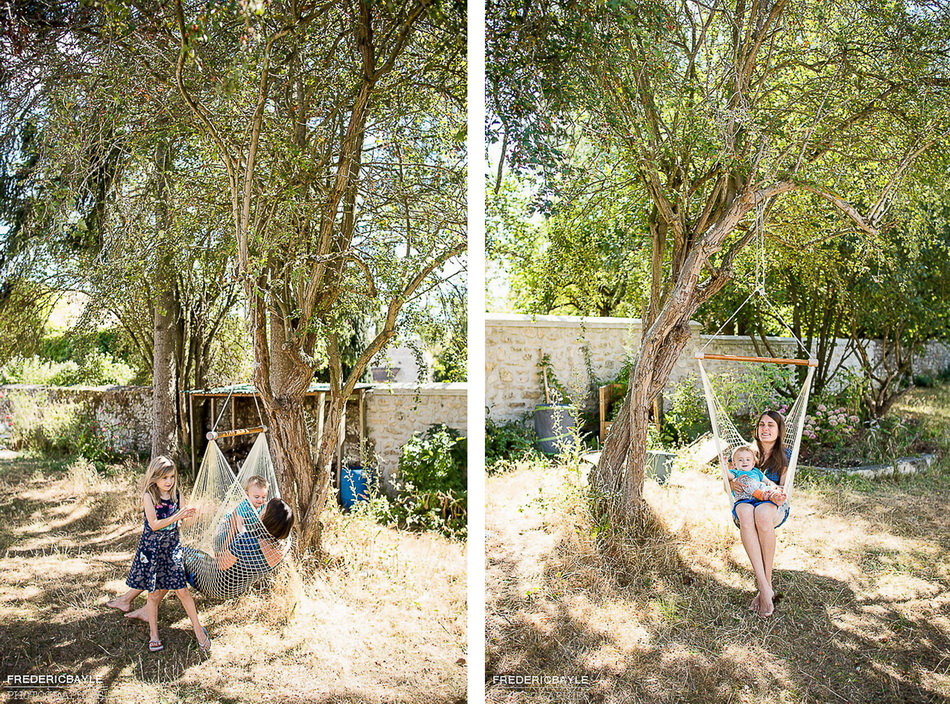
x=833, y=437
x=830, y=426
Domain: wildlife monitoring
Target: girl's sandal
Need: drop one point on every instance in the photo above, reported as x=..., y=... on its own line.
x=206, y=646
x=155, y=645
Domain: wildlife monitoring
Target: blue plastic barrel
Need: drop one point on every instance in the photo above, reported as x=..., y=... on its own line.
x=354, y=486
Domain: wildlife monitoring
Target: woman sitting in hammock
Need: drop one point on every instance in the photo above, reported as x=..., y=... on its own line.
x=256, y=549
x=253, y=552
x=757, y=521
x=234, y=569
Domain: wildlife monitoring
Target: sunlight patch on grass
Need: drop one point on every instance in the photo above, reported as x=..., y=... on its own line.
x=383, y=618
x=863, y=568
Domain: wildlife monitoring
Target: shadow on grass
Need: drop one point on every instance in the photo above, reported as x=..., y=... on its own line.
x=695, y=639
x=59, y=552
x=96, y=644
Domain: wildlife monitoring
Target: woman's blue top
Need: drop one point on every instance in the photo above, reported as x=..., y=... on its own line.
x=775, y=475
x=247, y=549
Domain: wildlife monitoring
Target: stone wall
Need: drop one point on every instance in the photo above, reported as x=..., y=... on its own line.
x=577, y=347
x=120, y=413
x=586, y=352
x=393, y=412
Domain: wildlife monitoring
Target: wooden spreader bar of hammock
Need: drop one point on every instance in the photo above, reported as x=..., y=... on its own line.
x=761, y=360
x=212, y=435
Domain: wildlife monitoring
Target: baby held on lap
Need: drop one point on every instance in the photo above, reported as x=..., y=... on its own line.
x=754, y=483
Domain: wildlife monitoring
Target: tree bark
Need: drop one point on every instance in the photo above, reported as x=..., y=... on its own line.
x=618, y=477
x=165, y=411
x=619, y=474
x=165, y=327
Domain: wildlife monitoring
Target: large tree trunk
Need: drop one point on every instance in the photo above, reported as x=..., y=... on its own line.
x=283, y=383
x=165, y=329
x=304, y=479
x=165, y=415
x=619, y=474
x=320, y=488
x=618, y=477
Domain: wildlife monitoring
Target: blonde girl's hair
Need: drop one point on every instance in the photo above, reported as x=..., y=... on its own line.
x=158, y=468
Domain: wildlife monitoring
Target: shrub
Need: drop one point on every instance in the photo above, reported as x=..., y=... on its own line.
x=61, y=428
x=94, y=369
x=830, y=426
x=833, y=442
x=744, y=396
x=508, y=442
x=760, y=388
x=686, y=417
x=431, y=485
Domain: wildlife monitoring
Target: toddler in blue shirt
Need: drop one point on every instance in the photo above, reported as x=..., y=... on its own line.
x=755, y=485
x=256, y=488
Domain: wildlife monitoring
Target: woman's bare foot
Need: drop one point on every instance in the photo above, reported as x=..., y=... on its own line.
x=754, y=606
x=139, y=614
x=119, y=603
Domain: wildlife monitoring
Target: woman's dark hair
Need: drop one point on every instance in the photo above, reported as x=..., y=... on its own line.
x=278, y=518
x=776, y=460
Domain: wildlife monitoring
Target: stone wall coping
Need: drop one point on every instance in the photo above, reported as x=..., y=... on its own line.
x=561, y=321
x=457, y=388
x=432, y=388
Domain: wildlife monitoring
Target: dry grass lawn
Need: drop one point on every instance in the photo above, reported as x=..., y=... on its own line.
x=863, y=566
x=383, y=620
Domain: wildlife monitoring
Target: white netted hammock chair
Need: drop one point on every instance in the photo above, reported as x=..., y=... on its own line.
x=727, y=436
x=220, y=498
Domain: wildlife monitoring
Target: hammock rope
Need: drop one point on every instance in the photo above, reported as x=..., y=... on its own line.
x=228, y=526
x=727, y=437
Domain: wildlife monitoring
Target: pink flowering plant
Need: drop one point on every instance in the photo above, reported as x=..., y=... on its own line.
x=103, y=443
x=834, y=436
x=830, y=426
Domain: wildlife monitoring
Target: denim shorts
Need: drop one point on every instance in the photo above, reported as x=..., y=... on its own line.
x=782, y=513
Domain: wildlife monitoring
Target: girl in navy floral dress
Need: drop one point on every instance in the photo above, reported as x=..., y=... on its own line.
x=157, y=566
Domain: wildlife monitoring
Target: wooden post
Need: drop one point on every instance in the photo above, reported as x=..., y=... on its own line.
x=362, y=402
x=320, y=415
x=191, y=431
x=341, y=439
